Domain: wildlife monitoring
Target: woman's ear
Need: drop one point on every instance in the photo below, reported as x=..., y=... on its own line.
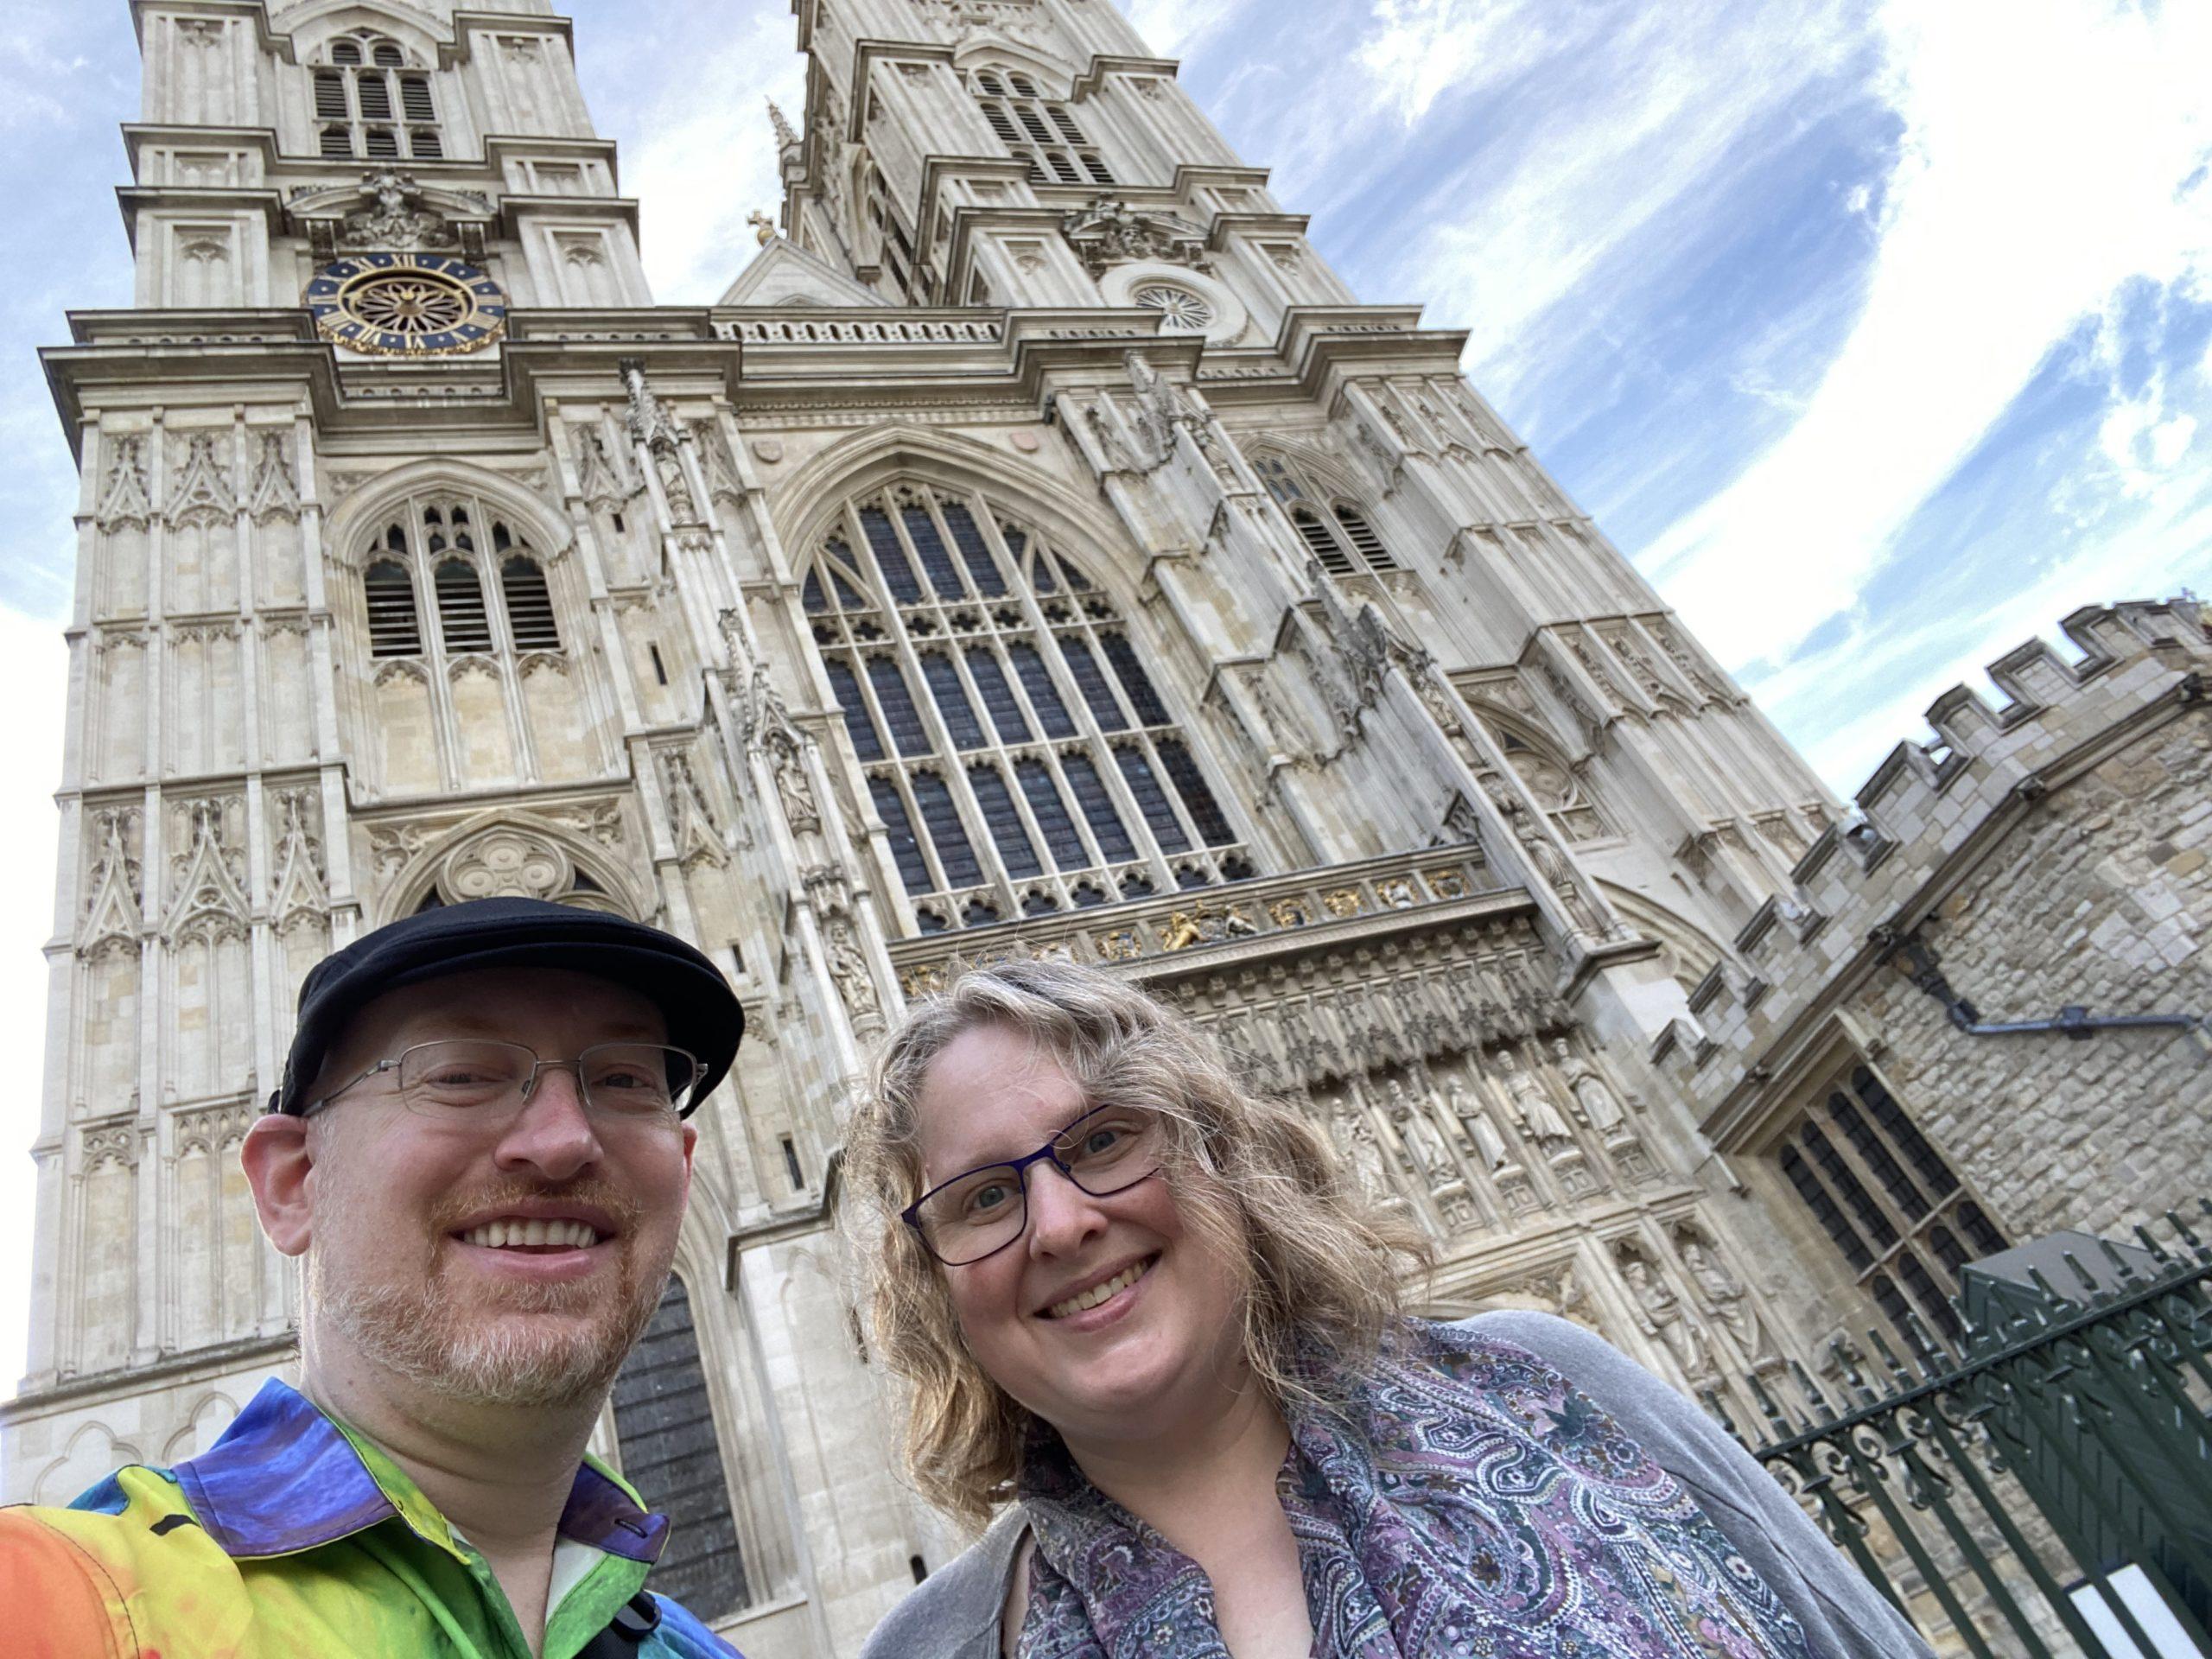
x=277, y=1160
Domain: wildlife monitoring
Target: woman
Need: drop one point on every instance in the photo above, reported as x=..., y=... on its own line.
x=1145, y=1314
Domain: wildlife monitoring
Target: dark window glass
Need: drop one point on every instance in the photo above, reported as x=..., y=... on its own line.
x=1198, y=800
x=812, y=596
x=1948, y=1251
x=330, y=97
x=890, y=557
x=1934, y=1304
x=384, y=143
x=1134, y=681
x=1869, y=1145
x=1004, y=819
x=1066, y=123
x=897, y=703
x=1935, y=1173
x=1152, y=801
x=935, y=556
x=998, y=697
x=1034, y=125
x=376, y=98
x=1833, y=1221
x=1100, y=173
x=845, y=686
x=461, y=618
x=347, y=52
x=530, y=604
x=941, y=818
x=1085, y=667
x=905, y=848
x=394, y=628
x=337, y=143
x=1037, y=681
x=952, y=700
x=1840, y=1178
x=414, y=98
x=1051, y=813
x=1893, y=1306
x=982, y=569
x=389, y=56
x=425, y=145
x=1002, y=123
x=664, y=1420
x=1063, y=168
x=1097, y=809
x=1987, y=1241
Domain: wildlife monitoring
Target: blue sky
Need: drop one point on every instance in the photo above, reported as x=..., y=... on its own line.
x=1879, y=332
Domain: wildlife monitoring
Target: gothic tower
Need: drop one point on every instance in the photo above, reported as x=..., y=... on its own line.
x=1039, y=548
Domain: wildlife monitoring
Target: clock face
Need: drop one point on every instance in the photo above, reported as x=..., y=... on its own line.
x=407, y=305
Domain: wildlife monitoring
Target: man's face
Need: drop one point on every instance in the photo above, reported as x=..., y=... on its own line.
x=502, y=1256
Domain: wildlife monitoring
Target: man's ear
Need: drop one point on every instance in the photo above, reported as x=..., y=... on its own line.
x=277, y=1162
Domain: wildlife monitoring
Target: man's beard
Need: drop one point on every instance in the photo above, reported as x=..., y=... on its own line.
x=523, y=1345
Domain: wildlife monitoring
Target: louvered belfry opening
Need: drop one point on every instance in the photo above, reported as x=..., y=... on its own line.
x=665, y=1425
x=432, y=547
x=368, y=105
x=1019, y=752
x=1042, y=131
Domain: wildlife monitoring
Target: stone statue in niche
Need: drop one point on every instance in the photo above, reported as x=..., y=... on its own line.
x=1663, y=1319
x=1423, y=1142
x=1533, y=1107
x=1477, y=1132
x=1361, y=1152
x=848, y=967
x=1594, y=1099
x=1724, y=1299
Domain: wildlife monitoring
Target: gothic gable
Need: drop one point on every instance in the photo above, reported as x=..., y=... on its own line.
x=782, y=273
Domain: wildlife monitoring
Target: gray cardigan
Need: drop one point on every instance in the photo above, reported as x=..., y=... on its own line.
x=956, y=1613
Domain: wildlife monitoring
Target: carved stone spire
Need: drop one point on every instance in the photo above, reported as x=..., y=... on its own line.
x=785, y=138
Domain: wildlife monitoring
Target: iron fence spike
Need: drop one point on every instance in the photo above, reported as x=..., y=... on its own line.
x=2182, y=1232
x=2120, y=1264
x=2149, y=1241
x=1898, y=1370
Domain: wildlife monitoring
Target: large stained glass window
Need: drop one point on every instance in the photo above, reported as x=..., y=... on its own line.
x=1022, y=756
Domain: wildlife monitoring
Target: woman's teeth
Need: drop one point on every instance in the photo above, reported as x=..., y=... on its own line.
x=529, y=1235
x=1097, y=1294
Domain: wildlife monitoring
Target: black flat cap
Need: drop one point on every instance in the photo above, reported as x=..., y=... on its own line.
x=703, y=1013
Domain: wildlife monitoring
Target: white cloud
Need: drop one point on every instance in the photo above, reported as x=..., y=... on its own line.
x=1631, y=136
x=704, y=157
x=1174, y=27
x=33, y=675
x=2005, y=226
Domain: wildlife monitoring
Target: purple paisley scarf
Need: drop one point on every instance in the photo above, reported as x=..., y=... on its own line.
x=1472, y=1504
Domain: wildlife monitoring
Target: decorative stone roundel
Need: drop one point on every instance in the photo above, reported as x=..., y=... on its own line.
x=1186, y=313
x=506, y=864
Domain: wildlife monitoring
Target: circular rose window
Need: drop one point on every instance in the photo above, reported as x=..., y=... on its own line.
x=1184, y=312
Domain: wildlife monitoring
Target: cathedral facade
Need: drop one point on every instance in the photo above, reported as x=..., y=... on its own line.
x=1039, y=548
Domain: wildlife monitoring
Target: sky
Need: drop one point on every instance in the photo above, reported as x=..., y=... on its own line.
x=1876, y=332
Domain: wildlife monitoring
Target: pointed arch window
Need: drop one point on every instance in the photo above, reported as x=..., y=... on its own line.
x=1334, y=528
x=1888, y=1201
x=492, y=600
x=1021, y=756
x=665, y=1425
x=369, y=103
x=1042, y=131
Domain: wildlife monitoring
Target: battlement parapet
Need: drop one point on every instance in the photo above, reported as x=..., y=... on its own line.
x=1919, y=814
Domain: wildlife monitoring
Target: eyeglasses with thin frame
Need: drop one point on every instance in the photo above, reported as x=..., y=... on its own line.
x=978, y=1214
x=478, y=1077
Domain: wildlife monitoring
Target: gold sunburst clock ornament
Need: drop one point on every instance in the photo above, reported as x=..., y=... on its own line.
x=407, y=305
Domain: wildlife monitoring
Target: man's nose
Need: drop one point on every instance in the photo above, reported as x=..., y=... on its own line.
x=553, y=1134
x=1062, y=1216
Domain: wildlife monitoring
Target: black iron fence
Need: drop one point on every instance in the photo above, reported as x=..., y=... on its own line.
x=2043, y=1487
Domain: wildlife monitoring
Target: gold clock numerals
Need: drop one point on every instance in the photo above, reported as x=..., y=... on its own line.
x=416, y=305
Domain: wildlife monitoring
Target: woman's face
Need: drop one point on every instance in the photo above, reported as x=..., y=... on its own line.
x=1163, y=1350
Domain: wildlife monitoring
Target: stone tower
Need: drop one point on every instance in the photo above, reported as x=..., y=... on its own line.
x=1039, y=548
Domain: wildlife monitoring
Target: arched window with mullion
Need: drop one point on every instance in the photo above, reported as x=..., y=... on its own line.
x=1021, y=754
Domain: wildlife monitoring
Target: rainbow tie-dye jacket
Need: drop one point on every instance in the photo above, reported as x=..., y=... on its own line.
x=293, y=1539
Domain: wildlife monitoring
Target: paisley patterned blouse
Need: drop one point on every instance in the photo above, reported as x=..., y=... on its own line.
x=1471, y=1503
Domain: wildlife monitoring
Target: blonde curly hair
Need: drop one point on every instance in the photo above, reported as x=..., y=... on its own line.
x=1319, y=1268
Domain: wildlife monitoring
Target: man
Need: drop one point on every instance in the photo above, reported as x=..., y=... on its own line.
x=481, y=1159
